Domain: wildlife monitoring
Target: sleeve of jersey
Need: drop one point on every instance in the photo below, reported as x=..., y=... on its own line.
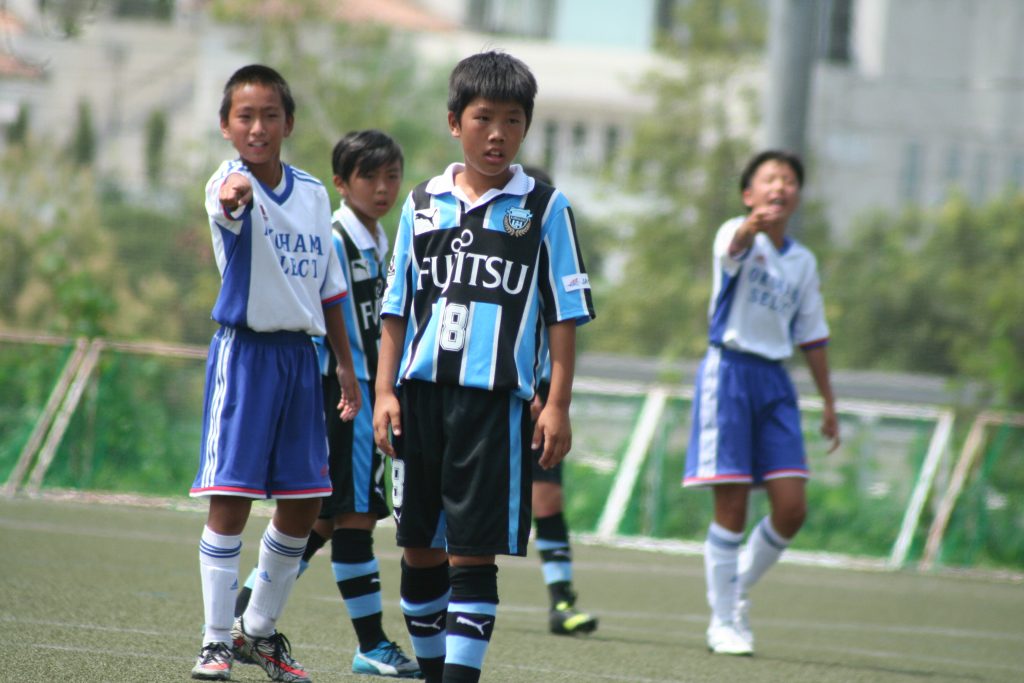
x=730, y=265
x=335, y=286
x=563, y=281
x=397, y=297
x=214, y=210
x=810, y=329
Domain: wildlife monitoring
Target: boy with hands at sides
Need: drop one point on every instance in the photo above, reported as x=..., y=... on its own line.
x=484, y=260
x=263, y=416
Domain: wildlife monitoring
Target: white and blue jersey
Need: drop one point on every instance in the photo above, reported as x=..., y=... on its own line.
x=277, y=267
x=479, y=281
x=361, y=255
x=765, y=300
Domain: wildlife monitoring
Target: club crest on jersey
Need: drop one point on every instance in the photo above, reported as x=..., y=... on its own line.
x=518, y=221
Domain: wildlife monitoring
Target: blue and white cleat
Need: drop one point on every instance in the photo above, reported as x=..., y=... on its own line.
x=387, y=659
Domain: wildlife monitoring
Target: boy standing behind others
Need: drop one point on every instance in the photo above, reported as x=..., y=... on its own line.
x=484, y=260
x=263, y=427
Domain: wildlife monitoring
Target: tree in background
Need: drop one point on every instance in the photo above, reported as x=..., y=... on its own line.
x=351, y=77
x=57, y=267
x=687, y=155
x=156, y=140
x=83, y=144
x=94, y=260
x=18, y=130
x=934, y=291
x=348, y=77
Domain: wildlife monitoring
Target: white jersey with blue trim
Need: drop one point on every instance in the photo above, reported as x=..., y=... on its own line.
x=765, y=300
x=361, y=307
x=277, y=267
x=477, y=281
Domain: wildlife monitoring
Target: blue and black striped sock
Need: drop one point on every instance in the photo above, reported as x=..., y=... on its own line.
x=425, y=594
x=555, y=557
x=358, y=577
x=471, y=615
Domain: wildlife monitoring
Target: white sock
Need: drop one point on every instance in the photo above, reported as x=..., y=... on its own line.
x=763, y=549
x=276, y=573
x=218, y=569
x=721, y=551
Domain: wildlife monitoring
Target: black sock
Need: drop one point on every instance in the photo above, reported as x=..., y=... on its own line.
x=315, y=542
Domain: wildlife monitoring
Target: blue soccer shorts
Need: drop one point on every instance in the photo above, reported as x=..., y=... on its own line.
x=746, y=422
x=263, y=418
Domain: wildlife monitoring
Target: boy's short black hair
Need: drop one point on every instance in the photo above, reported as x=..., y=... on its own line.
x=538, y=173
x=782, y=156
x=495, y=76
x=263, y=75
x=364, y=151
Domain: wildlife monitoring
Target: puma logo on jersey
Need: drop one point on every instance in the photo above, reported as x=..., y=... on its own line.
x=425, y=220
x=434, y=625
x=469, y=622
x=360, y=270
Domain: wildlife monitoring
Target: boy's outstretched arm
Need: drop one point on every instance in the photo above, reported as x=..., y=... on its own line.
x=386, y=411
x=553, y=426
x=351, y=397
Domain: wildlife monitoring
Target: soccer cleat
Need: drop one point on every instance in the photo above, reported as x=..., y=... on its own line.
x=724, y=639
x=273, y=654
x=387, y=659
x=741, y=621
x=214, y=663
x=564, y=620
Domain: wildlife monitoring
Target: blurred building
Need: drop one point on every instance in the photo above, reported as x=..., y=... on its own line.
x=915, y=98
x=909, y=100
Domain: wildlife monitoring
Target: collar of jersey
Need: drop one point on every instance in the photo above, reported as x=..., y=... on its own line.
x=287, y=183
x=361, y=237
x=519, y=184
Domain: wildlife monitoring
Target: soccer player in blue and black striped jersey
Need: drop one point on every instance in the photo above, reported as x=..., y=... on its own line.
x=486, y=270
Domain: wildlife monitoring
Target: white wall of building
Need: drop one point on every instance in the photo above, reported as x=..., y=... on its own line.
x=932, y=101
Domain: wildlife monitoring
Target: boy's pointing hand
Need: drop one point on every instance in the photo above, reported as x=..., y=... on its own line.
x=235, y=192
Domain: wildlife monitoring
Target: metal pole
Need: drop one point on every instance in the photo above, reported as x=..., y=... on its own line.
x=792, y=42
